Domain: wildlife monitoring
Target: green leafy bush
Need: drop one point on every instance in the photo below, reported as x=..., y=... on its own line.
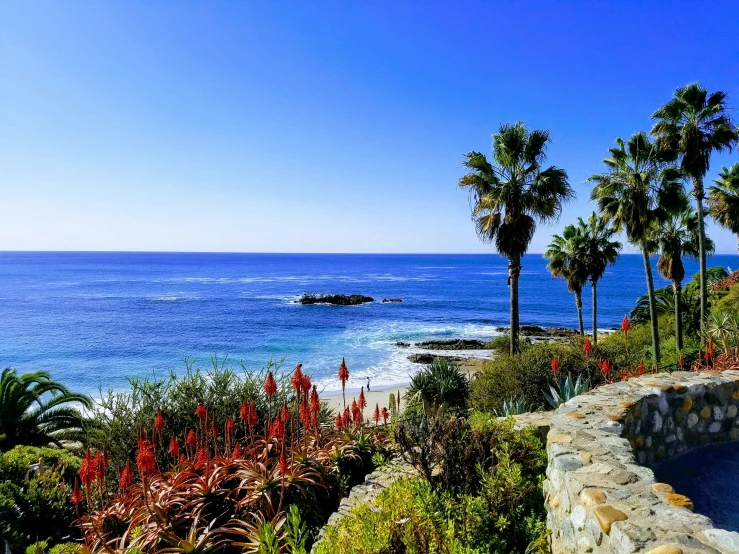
x=487, y=497
x=528, y=375
x=14, y=464
x=439, y=388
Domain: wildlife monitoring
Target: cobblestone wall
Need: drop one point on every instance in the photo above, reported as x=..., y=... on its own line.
x=601, y=496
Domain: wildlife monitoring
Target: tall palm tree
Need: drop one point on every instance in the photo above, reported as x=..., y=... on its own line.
x=639, y=188
x=693, y=125
x=676, y=237
x=601, y=251
x=567, y=259
x=723, y=199
x=36, y=411
x=510, y=195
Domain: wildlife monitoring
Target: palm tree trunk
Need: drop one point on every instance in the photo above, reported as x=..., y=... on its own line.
x=514, y=270
x=676, y=288
x=578, y=305
x=652, y=304
x=699, y=194
x=594, y=285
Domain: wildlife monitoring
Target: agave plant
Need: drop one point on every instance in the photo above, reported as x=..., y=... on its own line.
x=513, y=406
x=721, y=326
x=566, y=390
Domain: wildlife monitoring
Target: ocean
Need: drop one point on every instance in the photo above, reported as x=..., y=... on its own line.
x=94, y=319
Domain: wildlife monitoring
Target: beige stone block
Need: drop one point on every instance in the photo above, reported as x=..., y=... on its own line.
x=666, y=549
x=607, y=516
x=561, y=439
x=591, y=497
x=687, y=404
x=662, y=488
x=682, y=501
x=706, y=412
x=575, y=415
x=731, y=411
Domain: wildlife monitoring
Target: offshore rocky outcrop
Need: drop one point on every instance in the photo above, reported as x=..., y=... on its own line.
x=453, y=344
x=334, y=299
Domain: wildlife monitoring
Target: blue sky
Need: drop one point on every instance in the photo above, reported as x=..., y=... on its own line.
x=318, y=126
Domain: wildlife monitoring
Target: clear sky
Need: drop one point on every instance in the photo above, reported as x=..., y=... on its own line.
x=283, y=126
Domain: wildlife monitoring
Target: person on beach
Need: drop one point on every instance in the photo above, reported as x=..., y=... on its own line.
x=368, y=388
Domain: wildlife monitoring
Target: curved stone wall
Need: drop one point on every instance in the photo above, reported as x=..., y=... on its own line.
x=602, y=497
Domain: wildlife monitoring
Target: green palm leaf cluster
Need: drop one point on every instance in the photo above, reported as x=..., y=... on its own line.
x=36, y=411
x=581, y=254
x=439, y=388
x=511, y=194
x=640, y=189
x=723, y=199
x=692, y=126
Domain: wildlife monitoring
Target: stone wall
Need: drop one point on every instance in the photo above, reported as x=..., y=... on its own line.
x=601, y=496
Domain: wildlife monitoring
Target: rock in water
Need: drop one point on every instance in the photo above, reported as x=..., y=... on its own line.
x=430, y=358
x=454, y=344
x=390, y=300
x=334, y=299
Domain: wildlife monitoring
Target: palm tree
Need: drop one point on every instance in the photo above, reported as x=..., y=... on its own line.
x=723, y=199
x=677, y=237
x=35, y=411
x=639, y=188
x=567, y=259
x=601, y=251
x=694, y=124
x=511, y=195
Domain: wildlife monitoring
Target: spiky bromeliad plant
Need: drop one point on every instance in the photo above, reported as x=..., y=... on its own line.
x=224, y=490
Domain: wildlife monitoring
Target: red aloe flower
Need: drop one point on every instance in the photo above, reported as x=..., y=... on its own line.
x=215, y=432
x=236, y=454
x=285, y=415
x=87, y=471
x=681, y=361
x=270, y=386
x=339, y=421
x=125, y=478
x=709, y=349
x=605, y=368
x=362, y=400
x=377, y=414
x=201, y=457
x=624, y=375
x=145, y=459
x=354, y=406
x=201, y=412
x=347, y=416
x=297, y=380
x=76, y=497
x=305, y=412
x=314, y=421
x=99, y=466
x=626, y=325
x=315, y=403
x=230, y=428
x=159, y=423
x=305, y=384
x=641, y=369
x=385, y=415
x=244, y=412
x=253, y=416
x=555, y=366
x=191, y=439
x=181, y=459
x=283, y=464
x=174, y=447
x=343, y=373
x=587, y=347
x=277, y=429
x=358, y=416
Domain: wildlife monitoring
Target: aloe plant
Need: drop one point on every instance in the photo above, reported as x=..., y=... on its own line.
x=566, y=390
x=513, y=406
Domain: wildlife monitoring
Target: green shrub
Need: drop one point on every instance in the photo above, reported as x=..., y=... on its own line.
x=486, y=498
x=528, y=375
x=14, y=464
x=437, y=389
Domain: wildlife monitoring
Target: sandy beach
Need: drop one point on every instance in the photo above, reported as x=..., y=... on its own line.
x=379, y=396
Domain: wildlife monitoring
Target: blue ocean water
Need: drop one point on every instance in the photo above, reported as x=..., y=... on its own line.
x=92, y=319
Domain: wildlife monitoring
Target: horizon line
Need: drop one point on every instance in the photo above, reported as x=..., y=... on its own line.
x=39, y=251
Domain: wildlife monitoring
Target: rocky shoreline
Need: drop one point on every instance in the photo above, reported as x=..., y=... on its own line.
x=309, y=298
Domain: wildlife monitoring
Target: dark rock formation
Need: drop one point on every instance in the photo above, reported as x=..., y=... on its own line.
x=429, y=358
x=542, y=332
x=454, y=344
x=334, y=299
x=403, y=344
x=390, y=300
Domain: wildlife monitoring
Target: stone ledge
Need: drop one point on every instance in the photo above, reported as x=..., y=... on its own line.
x=601, y=496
